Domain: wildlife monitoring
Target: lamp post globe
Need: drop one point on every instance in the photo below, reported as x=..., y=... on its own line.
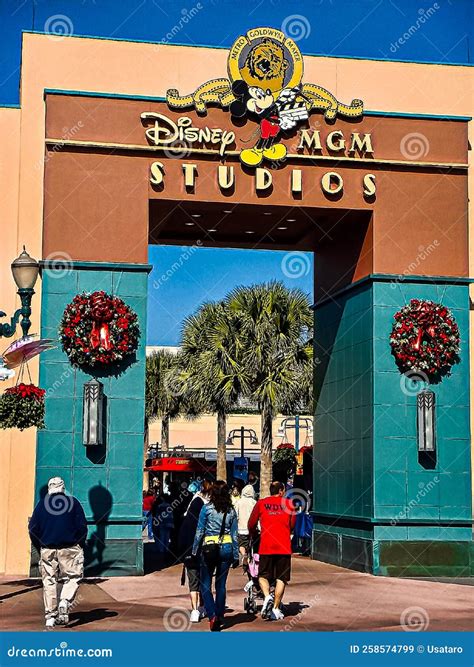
x=25, y=270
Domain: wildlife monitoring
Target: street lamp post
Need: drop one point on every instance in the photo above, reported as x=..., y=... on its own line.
x=242, y=433
x=241, y=463
x=296, y=423
x=25, y=271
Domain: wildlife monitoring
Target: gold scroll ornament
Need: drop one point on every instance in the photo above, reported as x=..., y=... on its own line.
x=219, y=92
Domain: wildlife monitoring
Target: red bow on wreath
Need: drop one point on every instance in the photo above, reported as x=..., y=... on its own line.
x=102, y=314
x=424, y=317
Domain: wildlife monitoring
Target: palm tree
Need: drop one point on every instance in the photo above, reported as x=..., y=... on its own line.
x=274, y=327
x=163, y=392
x=212, y=375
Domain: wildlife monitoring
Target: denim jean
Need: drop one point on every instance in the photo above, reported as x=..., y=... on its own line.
x=217, y=607
x=148, y=522
x=162, y=536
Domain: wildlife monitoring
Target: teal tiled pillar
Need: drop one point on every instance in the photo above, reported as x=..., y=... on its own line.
x=107, y=480
x=380, y=506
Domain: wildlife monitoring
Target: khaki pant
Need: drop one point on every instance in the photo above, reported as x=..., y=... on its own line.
x=60, y=564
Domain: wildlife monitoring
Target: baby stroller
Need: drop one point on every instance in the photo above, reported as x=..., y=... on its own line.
x=252, y=587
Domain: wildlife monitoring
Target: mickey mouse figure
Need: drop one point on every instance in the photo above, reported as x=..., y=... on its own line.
x=275, y=115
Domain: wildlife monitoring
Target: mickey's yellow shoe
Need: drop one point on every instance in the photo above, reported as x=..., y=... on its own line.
x=252, y=156
x=276, y=152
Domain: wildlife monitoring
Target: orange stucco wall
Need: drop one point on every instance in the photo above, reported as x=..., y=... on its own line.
x=146, y=69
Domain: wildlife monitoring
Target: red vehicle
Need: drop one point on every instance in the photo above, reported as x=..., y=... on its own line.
x=179, y=465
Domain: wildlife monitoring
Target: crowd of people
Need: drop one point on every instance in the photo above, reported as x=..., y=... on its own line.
x=216, y=529
x=225, y=528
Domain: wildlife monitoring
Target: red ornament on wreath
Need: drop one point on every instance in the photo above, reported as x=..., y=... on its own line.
x=425, y=340
x=98, y=329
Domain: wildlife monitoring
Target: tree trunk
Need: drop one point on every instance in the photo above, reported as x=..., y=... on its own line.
x=266, y=452
x=146, y=438
x=221, y=448
x=165, y=433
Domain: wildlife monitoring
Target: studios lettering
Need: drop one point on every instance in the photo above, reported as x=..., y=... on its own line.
x=331, y=183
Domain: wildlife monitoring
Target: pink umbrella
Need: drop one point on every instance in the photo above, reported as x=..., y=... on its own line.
x=25, y=349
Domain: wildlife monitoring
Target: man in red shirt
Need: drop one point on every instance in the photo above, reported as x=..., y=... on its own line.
x=277, y=516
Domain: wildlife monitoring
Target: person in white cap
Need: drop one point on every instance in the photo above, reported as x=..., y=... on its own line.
x=58, y=529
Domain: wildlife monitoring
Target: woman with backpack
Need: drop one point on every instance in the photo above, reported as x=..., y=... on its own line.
x=216, y=540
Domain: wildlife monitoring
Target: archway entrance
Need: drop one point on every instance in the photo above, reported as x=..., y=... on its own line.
x=384, y=228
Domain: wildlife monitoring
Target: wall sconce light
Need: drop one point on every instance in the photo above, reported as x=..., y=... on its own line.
x=93, y=412
x=426, y=425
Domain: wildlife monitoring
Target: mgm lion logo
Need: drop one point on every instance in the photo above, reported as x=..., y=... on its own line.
x=265, y=69
x=265, y=65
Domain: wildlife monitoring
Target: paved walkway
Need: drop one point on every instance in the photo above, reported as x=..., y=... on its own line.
x=320, y=597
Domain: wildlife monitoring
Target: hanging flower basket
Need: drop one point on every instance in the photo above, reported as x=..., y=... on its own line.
x=425, y=339
x=285, y=453
x=98, y=330
x=284, y=462
x=22, y=406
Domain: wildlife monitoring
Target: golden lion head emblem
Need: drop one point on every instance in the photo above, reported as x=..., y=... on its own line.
x=265, y=65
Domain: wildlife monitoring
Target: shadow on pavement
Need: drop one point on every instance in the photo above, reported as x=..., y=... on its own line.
x=15, y=593
x=32, y=583
x=83, y=617
x=294, y=608
x=237, y=619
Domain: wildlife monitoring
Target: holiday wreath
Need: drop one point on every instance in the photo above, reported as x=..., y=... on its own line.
x=425, y=339
x=98, y=330
x=22, y=406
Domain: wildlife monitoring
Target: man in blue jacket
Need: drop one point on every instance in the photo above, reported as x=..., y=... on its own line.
x=58, y=529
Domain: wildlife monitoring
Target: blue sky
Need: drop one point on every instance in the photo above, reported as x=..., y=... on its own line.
x=185, y=277
x=362, y=28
